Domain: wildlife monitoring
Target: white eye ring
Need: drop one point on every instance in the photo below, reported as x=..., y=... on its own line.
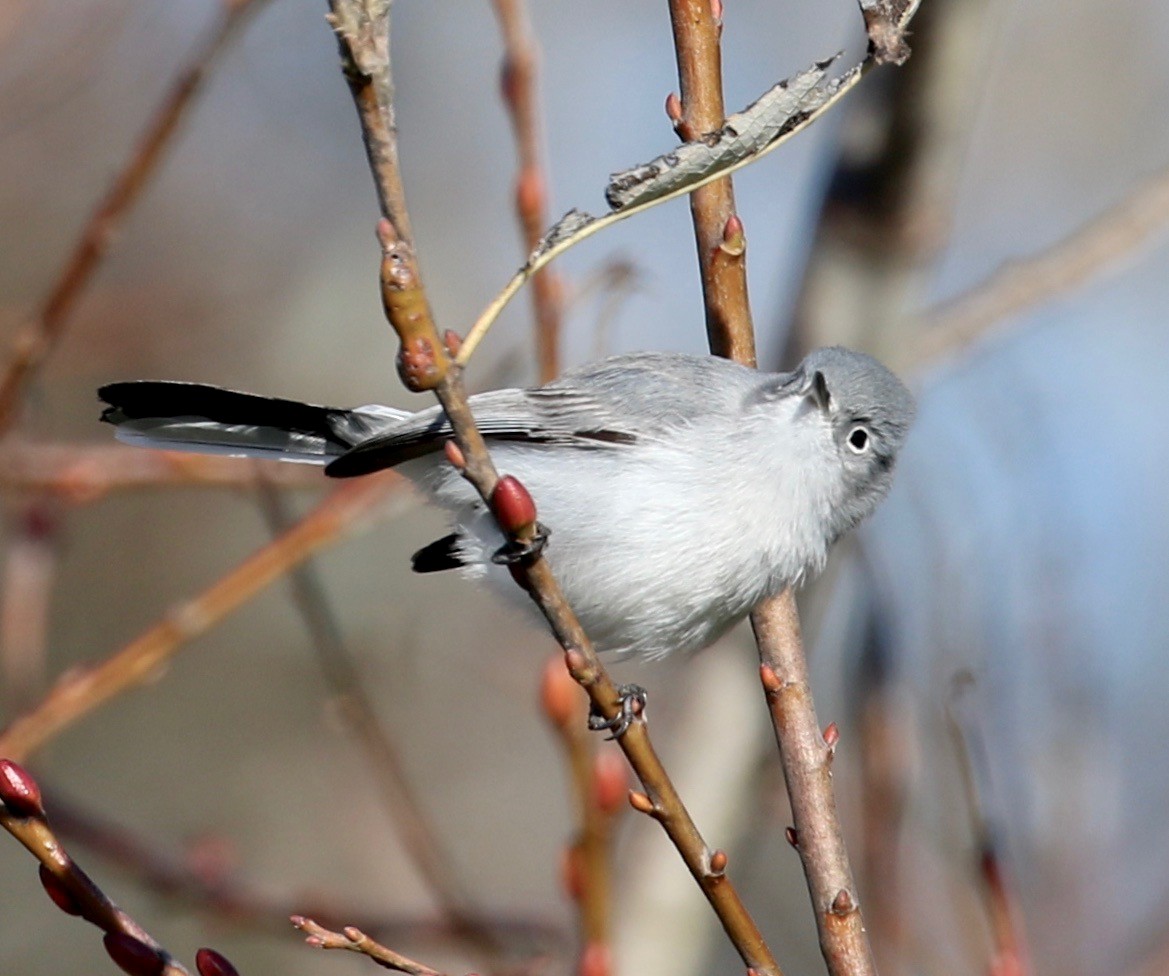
x=859, y=440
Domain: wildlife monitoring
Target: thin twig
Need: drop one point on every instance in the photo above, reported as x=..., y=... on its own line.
x=37, y=338
x=353, y=939
x=520, y=95
x=401, y=804
x=83, y=690
x=1089, y=252
x=718, y=232
x=363, y=32
x=82, y=473
x=806, y=756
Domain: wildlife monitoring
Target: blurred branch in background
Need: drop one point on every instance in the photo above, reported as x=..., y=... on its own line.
x=79, y=692
x=518, y=77
x=37, y=338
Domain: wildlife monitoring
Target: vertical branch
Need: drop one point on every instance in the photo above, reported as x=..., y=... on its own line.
x=518, y=75
x=718, y=231
x=806, y=754
x=39, y=336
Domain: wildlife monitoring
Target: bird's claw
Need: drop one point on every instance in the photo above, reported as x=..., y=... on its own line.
x=516, y=552
x=632, y=699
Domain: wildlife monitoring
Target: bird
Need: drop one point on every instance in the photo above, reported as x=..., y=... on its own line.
x=678, y=491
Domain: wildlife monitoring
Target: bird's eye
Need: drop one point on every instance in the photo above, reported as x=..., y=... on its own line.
x=858, y=440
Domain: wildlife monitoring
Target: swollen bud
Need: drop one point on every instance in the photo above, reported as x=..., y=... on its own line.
x=610, y=782
x=512, y=505
x=57, y=892
x=19, y=791
x=210, y=963
x=559, y=695
x=132, y=955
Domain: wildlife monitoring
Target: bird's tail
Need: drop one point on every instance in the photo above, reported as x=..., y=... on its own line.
x=211, y=420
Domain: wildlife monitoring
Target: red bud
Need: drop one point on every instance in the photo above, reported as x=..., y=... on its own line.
x=512, y=504
x=210, y=963
x=831, y=735
x=792, y=837
x=57, y=891
x=559, y=696
x=572, y=872
x=596, y=960
x=718, y=862
x=610, y=781
x=19, y=791
x=132, y=955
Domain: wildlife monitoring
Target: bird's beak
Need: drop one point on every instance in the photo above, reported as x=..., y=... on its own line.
x=815, y=388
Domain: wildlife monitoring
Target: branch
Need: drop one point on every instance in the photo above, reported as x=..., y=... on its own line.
x=520, y=61
x=353, y=939
x=81, y=691
x=806, y=756
x=22, y=814
x=363, y=31
x=80, y=474
x=1087, y=253
x=38, y=337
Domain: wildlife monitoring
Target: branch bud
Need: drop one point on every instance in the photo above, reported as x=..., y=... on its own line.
x=610, y=782
x=19, y=791
x=57, y=892
x=132, y=955
x=512, y=505
x=210, y=963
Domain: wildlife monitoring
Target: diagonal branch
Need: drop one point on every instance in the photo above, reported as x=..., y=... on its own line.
x=38, y=337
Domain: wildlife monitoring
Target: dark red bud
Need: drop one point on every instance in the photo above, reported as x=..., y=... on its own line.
x=57, y=891
x=512, y=504
x=19, y=791
x=211, y=963
x=132, y=955
x=792, y=837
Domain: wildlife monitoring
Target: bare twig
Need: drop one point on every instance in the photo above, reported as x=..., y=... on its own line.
x=22, y=814
x=399, y=799
x=363, y=32
x=1087, y=253
x=718, y=231
x=40, y=334
x=81, y=473
x=80, y=692
x=353, y=939
x=520, y=61
x=806, y=755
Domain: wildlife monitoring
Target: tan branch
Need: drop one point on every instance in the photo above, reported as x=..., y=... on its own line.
x=37, y=338
x=84, y=689
x=520, y=62
x=354, y=940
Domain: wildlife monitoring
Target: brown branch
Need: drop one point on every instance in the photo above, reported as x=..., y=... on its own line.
x=79, y=473
x=353, y=939
x=363, y=30
x=1089, y=252
x=718, y=231
x=83, y=690
x=520, y=62
x=37, y=338
x=22, y=814
x=405, y=811
x=806, y=756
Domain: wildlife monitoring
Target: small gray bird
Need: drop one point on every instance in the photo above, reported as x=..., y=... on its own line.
x=679, y=490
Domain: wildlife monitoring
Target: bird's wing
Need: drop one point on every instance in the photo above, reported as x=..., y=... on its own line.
x=604, y=405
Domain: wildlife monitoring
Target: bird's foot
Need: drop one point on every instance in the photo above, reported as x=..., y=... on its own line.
x=632, y=699
x=514, y=552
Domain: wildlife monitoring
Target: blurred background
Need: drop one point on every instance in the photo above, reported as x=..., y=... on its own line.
x=993, y=644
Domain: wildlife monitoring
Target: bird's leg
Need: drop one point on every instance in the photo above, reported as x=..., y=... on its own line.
x=632, y=699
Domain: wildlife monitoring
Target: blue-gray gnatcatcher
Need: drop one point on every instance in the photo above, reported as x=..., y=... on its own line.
x=679, y=490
